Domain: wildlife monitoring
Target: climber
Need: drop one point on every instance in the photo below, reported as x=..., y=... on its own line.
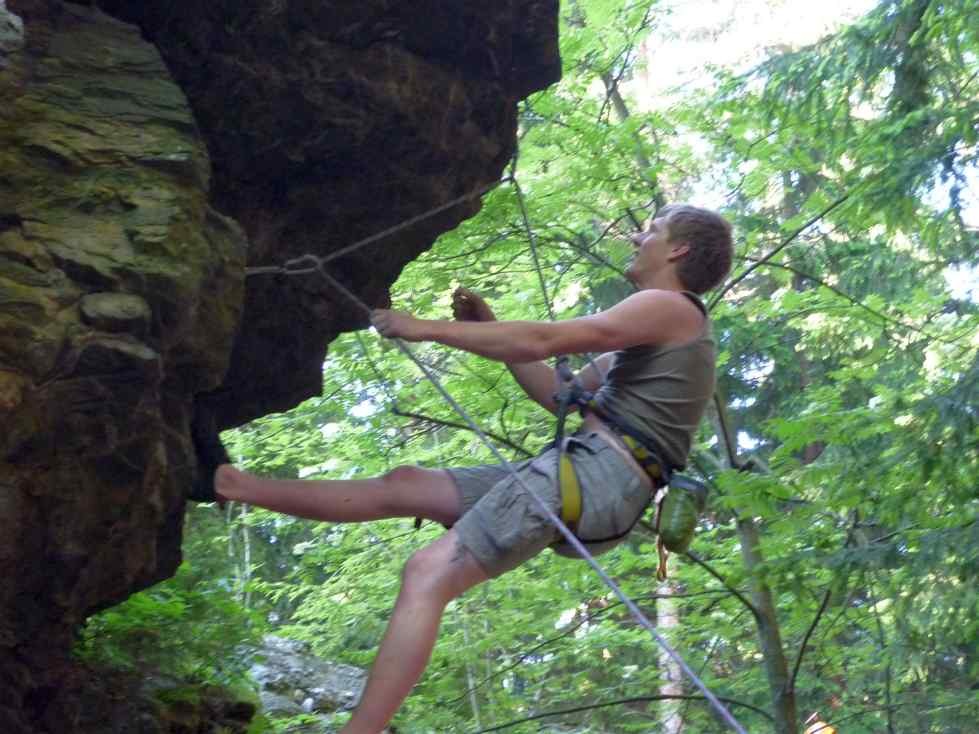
x=656, y=373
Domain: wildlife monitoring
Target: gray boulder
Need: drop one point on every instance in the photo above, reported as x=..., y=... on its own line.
x=292, y=680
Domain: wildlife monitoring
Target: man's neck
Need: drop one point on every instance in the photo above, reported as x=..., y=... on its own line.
x=663, y=281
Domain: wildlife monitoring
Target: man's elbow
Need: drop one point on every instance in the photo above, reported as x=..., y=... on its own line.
x=559, y=338
x=539, y=346
x=528, y=353
x=543, y=349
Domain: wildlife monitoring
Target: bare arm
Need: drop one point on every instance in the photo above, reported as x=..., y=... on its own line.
x=538, y=379
x=648, y=317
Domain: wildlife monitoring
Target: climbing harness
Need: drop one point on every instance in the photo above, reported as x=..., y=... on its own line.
x=679, y=499
x=309, y=264
x=677, y=511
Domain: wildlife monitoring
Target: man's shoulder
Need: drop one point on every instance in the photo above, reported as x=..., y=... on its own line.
x=666, y=301
x=681, y=314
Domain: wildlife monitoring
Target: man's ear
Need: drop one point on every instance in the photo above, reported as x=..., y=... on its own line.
x=680, y=249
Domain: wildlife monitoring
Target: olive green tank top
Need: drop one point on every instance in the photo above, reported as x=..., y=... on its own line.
x=662, y=392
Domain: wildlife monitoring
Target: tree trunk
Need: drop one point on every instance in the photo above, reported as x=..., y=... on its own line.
x=766, y=619
x=668, y=619
x=776, y=666
x=645, y=165
x=470, y=675
x=245, y=574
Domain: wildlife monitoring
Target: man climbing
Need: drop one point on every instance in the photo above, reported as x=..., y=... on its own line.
x=656, y=376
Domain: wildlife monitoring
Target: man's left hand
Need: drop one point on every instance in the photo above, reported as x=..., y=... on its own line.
x=397, y=325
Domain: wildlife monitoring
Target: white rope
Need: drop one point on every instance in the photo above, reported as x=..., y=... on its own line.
x=532, y=241
x=308, y=264
x=555, y=520
x=311, y=263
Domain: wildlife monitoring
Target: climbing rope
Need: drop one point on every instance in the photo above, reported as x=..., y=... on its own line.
x=308, y=264
x=532, y=240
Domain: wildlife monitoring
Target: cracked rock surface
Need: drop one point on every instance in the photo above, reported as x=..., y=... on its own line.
x=328, y=122
x=149, y=152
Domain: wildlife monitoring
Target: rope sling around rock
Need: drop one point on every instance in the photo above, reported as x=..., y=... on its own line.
x=309, y=264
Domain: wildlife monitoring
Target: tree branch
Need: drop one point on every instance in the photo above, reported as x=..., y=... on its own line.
x=843, y=294
x=741, y=597
x=621, y=702
x=820, y=612
x=727, y=439
x=887, y=667
x=805, y=638
x=899, y=705
x=462, y=426
x=594, y=257
x=778, y=248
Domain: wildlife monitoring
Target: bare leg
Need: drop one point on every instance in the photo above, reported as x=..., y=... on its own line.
x=407, y=491
x=433, y=577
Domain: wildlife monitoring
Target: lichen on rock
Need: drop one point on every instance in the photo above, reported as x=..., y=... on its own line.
x=149, y=152
x=120, y=293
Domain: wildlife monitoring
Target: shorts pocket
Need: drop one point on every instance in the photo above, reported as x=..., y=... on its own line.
x=612, y=510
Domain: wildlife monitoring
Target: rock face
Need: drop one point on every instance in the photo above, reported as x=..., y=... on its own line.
x=149, y=152
x=330, y=121
x=293, y=681
x=120, y=293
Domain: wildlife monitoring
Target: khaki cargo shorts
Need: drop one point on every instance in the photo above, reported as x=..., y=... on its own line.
x=503, y=526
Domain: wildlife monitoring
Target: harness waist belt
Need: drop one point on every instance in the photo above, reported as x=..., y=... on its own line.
x=643, y=450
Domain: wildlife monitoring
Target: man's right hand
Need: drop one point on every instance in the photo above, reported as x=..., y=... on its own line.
x=470, y=306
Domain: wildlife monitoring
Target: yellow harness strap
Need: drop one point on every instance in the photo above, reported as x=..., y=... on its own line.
x=652, y=467
x=570, y=491
x=644, y=458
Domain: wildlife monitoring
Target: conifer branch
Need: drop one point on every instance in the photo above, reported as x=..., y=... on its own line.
x=622, y=702
x=461, y=426
x=854, y=301
x=776, y=250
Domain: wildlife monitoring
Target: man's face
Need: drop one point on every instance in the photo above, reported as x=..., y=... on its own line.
x=652, y=249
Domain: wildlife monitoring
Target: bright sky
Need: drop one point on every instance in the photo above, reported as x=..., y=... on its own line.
x=694, y=34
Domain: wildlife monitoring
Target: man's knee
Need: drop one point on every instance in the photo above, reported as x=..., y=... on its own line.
x=423, y=571
x=398, y=486
x=441, y=571
x=412, y=491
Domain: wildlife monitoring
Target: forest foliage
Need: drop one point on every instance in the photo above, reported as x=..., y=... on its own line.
x=836, y=568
